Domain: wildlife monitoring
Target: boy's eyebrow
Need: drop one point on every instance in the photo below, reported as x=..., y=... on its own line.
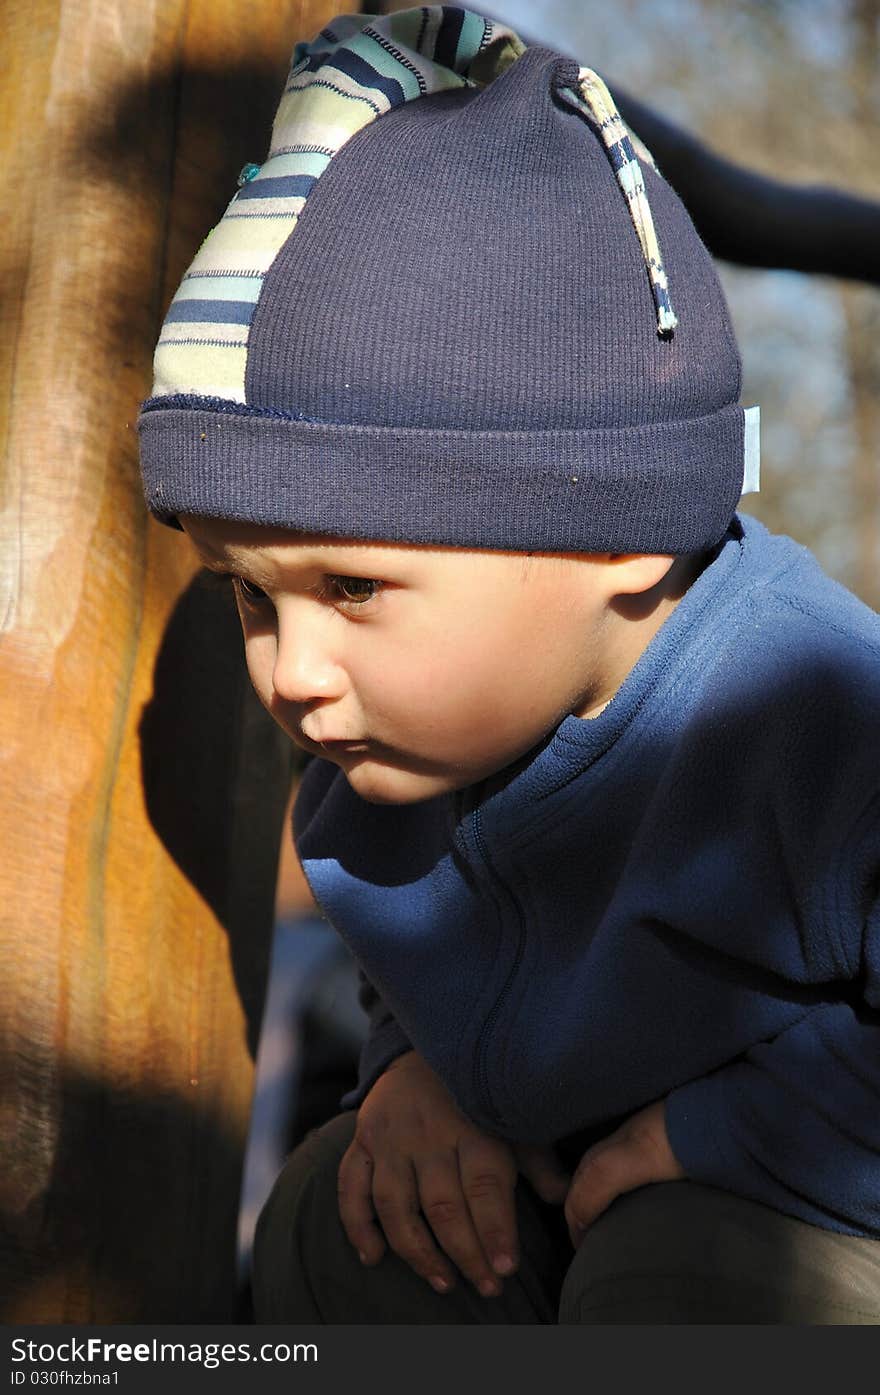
x=213, y=564
x=322, y=555
x=211, y=559
x=208, y=558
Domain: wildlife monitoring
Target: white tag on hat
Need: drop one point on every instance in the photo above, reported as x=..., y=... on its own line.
x=752, y=450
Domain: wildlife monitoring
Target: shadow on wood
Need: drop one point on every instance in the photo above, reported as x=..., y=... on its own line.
x=216, y=773
x=143, y=785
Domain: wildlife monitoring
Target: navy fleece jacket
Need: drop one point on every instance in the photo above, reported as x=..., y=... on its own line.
x=676, y=899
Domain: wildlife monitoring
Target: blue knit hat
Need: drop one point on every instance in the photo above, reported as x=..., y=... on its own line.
x=458, y=305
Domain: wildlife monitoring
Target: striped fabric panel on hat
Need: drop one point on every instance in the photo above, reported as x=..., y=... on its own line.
x=358, y=68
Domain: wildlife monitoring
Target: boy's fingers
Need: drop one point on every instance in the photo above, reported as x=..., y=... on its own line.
x=602, y=1174
x=396, y=1201
x=448, y=1212
x=488, y=1179
x=636, y=1154
x=354, y=1189
x=541, y=1167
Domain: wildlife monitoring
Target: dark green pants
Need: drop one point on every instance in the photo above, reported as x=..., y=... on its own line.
x=675, y=1252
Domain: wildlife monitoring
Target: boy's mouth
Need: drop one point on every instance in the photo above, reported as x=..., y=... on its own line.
x=332, y=743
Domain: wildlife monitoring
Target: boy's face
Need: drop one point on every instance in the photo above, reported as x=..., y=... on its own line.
x=417, y=670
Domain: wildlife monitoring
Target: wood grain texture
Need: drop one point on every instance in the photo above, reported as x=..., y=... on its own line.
x=142, y=786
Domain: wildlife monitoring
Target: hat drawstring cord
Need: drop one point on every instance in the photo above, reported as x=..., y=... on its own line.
x=593, y=95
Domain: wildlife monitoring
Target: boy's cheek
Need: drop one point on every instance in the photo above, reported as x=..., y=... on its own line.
x=262, y=688
x=260, y=673
x=259, y=654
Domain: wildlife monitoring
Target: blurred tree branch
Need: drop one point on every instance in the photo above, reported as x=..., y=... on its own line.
x=749, y=218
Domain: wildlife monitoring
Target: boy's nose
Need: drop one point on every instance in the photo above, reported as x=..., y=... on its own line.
x=305, y=668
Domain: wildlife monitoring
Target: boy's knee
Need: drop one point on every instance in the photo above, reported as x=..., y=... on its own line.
x=657, y=1255
x=681, y=1252
x=299, y=1223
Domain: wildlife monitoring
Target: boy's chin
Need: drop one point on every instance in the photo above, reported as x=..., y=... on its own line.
x=384, y=784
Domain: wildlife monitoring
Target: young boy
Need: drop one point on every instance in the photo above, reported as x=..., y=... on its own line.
x=453, y=394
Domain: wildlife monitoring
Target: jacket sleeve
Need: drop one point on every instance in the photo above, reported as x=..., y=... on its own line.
x=795, y=1122
x=385, y=1041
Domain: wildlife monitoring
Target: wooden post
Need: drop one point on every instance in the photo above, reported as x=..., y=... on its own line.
x=143, y=786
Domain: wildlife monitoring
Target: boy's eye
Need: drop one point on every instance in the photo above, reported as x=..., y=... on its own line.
x=342, y=590
x=354, y=590
x=250, y=594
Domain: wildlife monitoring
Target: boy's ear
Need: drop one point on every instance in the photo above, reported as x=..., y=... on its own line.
x=634, y=573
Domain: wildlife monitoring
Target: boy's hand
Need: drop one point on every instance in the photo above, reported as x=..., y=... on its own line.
x=419, y=1175
x=636, y=1153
